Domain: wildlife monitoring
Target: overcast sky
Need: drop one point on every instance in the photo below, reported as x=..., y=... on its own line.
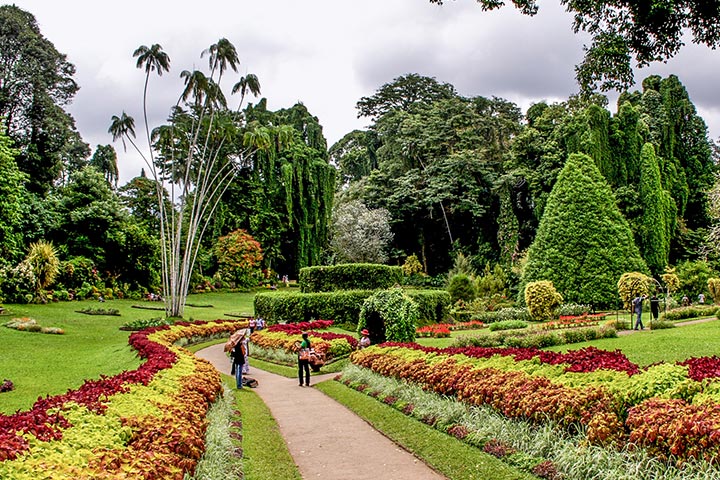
x=329, y=53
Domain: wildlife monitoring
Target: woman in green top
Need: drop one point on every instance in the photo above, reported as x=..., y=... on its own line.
x=304, y=363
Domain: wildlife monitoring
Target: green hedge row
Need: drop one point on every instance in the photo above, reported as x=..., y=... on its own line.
x=342, y=306
x=692, y=311
x=537, y=339
x=349, y=276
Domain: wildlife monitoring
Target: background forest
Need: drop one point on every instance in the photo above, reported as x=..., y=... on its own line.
x=435, y=177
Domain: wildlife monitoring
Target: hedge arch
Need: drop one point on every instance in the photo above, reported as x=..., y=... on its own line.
x=390, y=315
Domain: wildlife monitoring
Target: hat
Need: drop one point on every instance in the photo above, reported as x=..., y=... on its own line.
x=364, y=331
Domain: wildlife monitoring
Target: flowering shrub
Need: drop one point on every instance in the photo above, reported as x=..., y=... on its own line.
x=571, y=321
x=146, y=423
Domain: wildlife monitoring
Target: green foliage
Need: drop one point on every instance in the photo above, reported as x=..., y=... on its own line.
x=671, y=280
x=239, y=257
x=412, y=266
x=340, y=306
x=389, y=315
x=12, y=195
x=532, y=338
x=583, y=243
x=359, y=234
x=349, y=276
x=463, y=265
x=658, y=213
x=694, y=277
x=461, y=287
x=76, y=271
x=692, y=311
x=508, y=325
x=542, y=300
x=631, y=285
x=37, y=85
x=492, y=282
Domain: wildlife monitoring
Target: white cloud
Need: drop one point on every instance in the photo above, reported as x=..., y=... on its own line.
x=329, y=53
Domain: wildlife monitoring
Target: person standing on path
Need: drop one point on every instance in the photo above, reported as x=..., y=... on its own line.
x=654, y=307
x=238, y=357
x=304, y=360
x=637, y=304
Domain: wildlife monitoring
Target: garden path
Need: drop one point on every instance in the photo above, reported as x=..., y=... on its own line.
x=325, y=439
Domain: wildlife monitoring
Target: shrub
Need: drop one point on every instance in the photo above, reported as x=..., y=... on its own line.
x=632, y=284
x=42, y=257
x=389, y=315
x=76, y=271
x=542, y=299
x=340, y=306
x=574, y=309
x=18, y=283
x=460, y=287
x=508, y=325
x=694, y=277
x=348, y=276
x=412, y=266
x=512, y=313
x=239, y=256
x=692, y=311
x=492, y=282
x=713, y=285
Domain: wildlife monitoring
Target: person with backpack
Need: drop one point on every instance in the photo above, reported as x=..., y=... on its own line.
x=304, y=360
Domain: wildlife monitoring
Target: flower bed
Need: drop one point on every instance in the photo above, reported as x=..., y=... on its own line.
x=572, y=321
x=662, y=407
x=142, y=424
x=442, y=330
x=287, y=337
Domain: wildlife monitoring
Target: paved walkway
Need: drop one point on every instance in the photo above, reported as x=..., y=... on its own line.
x=325, y=439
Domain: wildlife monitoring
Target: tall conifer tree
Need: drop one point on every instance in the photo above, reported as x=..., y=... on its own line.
x=583, y=243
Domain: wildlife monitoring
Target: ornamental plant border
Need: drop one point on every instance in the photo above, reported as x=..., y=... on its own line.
x=666, y=408
x=145, y=423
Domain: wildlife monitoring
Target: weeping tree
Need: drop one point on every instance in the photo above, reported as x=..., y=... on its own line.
x=193, y=158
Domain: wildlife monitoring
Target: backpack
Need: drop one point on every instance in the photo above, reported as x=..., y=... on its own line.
x=250, y=382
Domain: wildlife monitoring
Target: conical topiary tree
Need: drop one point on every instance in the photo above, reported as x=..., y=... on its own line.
x=583, y=244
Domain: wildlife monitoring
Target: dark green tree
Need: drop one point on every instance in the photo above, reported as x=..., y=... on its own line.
x=403, y=93
x=12, y=199
x=105, y=161
x=36, y=83
x=583, y=243
x=658, y=214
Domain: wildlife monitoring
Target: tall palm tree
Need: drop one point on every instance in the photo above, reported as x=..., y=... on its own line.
x=221, y=55
x=248, y=83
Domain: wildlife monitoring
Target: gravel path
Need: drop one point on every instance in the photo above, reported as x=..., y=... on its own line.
x=325, y=439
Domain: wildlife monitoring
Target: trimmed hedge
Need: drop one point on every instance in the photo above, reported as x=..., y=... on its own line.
x=535, y=338
x=693, y=311
x=342, y=306
x=349, y=276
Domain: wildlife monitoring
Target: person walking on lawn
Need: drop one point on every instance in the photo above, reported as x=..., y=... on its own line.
x=638, y=306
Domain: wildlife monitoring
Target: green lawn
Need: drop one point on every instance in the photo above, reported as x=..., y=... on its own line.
x=42, y=364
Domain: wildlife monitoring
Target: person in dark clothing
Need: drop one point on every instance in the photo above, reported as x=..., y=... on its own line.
x=238, y=355
x=638, y=305
x=304, y=360
x=654, y=307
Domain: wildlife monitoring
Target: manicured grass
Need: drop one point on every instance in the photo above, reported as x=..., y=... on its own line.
x=442, y=452
x=42, y=364
x=671, y=345
x=265, y=453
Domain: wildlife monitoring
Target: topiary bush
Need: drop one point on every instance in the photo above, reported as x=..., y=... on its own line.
x=461, y=287
x=389, y=315
x=542, y=300
x=349, y=276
